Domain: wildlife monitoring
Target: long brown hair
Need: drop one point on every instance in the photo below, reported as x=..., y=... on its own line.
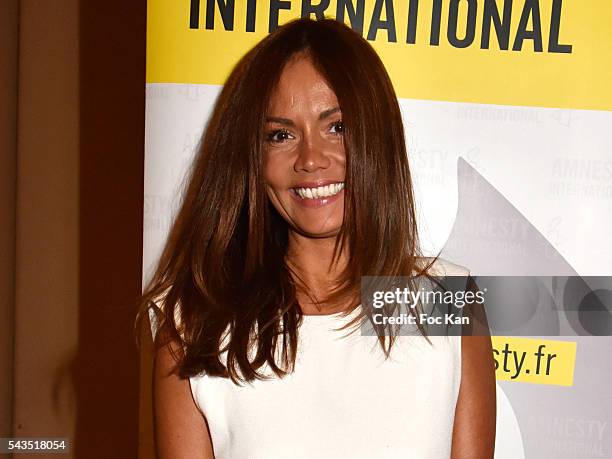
x=223, y=268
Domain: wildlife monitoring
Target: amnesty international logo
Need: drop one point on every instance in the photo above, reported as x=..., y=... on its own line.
x=546, y=53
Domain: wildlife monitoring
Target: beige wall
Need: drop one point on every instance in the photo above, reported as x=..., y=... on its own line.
x=46, y=282
x=9, y=29
x=71, y=183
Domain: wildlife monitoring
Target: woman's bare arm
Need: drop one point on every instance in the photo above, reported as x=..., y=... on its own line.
x=181, y=431
x=475, y=413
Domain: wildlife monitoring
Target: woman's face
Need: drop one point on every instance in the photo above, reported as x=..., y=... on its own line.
x=304, y=158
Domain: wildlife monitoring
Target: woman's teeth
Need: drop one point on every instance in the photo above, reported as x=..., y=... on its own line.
x=320, y=192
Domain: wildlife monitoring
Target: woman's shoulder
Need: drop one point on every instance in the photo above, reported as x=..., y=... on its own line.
x=157, y=311
x=442, y=267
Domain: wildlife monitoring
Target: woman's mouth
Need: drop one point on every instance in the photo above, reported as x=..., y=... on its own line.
x=319, y=192
x=317, y=196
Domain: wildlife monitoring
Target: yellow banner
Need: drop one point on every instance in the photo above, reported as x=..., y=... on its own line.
x=547, y=53
x=534, y=360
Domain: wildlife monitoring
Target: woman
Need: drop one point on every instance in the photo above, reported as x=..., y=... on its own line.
x=300, y=187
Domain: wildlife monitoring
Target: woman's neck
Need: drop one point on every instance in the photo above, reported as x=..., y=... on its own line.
x=311, y=259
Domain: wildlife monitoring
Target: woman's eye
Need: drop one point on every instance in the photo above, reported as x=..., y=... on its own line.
x=278, y=136
x=337, y=127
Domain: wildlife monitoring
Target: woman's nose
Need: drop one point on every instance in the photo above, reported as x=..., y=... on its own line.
x=312, y=155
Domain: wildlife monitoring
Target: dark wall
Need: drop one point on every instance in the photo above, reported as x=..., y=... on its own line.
x=112, y=102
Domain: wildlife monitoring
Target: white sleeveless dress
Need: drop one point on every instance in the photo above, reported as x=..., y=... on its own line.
x=344, y=400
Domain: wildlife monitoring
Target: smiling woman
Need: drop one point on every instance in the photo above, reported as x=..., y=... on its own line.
x=304, y=157
x=301, y=187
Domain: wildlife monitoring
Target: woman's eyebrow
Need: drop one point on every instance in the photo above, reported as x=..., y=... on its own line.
x=330, y=111
x=287, y=122
x=276, y=119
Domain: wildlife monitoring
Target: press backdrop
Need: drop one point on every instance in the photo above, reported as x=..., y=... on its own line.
x=507, y=112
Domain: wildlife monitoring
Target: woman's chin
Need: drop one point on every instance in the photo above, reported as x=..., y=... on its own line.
x=313, y=232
